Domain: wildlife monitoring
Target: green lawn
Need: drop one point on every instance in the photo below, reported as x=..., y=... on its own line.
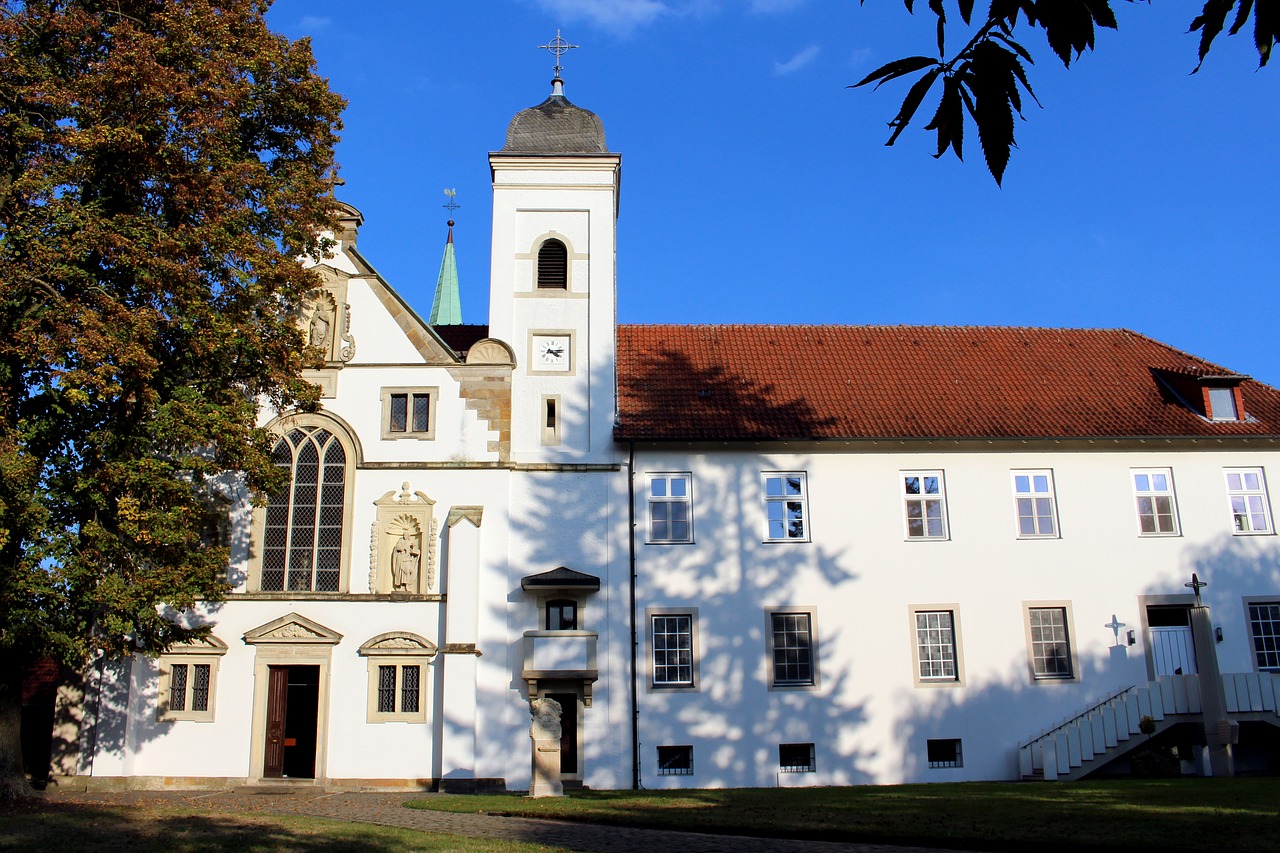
x=1218, y=815
x=147, y=828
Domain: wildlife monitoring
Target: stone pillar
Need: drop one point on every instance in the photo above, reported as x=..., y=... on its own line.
x=545, y=733
x=1220, y=732
x=461, y=585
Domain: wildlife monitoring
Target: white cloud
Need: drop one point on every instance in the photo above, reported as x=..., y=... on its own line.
x=795, y=63
x=620, y=16
x=311, y=23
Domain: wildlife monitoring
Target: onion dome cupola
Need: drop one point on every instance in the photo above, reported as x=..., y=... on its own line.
x=556, y=126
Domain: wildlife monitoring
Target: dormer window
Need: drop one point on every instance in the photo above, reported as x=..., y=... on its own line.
x=1222, y=404
x=553, y=266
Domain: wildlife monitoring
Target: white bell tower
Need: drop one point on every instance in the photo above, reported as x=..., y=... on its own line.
x=552, y=295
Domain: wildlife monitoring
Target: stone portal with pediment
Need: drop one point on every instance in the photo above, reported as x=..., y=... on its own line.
x=403, y=542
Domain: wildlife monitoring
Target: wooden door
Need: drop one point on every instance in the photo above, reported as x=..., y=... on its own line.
x=277, y=711
x=568, y=733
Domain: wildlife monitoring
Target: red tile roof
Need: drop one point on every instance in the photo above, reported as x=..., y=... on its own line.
x=832, y=382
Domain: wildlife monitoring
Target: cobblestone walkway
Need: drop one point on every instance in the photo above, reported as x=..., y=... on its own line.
x=388, y=810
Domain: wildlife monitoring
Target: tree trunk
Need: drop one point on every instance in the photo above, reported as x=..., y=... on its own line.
x=13, y=780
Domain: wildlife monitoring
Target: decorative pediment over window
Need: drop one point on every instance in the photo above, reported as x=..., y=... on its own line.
x=293, y=628
x=398, y=643
x=561, y=578
x=402, y=544
x=209, y=645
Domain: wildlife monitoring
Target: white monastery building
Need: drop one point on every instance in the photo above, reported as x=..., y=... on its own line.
x=735, y=555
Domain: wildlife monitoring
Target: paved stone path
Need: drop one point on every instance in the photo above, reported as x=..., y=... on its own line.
x=388, y=810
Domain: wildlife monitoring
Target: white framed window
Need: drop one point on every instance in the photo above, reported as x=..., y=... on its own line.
x=1035, y=505
x=675, y=760
x=189, y=680
x=1222, y=404
x=409, y=413
x=796, y=758
x=792, y=648
x=673, y=645
x=1264, y=632
x=785, y=507
x=1049, y=651
x=1247, y=492
x=1157, y=505
x=398, y=668
x=925, y=503
x=936, y=645
x=670, y=508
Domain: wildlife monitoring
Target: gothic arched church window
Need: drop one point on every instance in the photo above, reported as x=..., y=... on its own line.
x=303, y=529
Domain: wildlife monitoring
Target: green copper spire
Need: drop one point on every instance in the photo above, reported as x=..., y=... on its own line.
x=446, y=307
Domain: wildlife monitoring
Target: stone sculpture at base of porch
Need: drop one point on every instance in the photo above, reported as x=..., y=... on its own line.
x=545, y=732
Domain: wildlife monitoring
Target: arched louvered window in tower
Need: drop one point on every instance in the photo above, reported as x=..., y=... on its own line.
x=553, y=265
x=302, y=534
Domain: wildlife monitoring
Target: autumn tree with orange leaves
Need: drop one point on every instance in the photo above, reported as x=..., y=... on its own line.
x=163, y=164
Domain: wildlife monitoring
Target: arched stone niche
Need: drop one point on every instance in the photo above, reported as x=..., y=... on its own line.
x=325, y=318
x=402, y=546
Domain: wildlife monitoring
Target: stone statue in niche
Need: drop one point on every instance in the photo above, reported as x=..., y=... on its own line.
x=406, y=558
x=320, y=329
x=545, y=731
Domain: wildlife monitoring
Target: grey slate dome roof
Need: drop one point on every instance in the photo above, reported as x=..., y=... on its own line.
x=555, y=126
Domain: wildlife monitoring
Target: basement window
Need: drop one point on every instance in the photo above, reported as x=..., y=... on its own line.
x=944, y=752
x=675, y=761
x=796, y=758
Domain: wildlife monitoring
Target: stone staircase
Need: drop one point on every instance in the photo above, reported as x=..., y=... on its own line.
x=1109, y=728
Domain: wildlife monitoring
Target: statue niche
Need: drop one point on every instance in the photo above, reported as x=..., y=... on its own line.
x=325, y=318
x=403, y=544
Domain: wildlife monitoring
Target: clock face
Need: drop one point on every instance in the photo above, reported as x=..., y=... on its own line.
x=551, y=352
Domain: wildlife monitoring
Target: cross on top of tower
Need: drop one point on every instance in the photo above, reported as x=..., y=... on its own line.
x=451, y=205
x=559, y=47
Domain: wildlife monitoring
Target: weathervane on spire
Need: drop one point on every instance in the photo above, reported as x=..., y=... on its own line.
x=451, y=205
x=559, y=47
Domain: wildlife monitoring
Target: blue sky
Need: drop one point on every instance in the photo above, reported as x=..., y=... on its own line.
x=756, y=187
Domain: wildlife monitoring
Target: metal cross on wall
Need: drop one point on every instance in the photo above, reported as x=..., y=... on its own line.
x=1195, y=586
x=559, y=47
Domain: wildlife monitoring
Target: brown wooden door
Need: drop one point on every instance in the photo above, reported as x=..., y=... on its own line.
x=277, y=708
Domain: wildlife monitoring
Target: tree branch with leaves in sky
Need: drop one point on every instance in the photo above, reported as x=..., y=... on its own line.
x=163, y=165
x=985, y=80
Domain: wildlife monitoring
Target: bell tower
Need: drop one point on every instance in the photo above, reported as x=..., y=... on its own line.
x=553, y=287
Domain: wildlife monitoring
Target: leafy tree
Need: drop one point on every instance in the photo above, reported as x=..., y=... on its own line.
x=985, y=79
x=163, y=163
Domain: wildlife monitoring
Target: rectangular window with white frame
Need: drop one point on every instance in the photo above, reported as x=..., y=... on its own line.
x=792, y=648
x=396, y=690
x=925, y=502
x=1250, y=508
x=409, y=413
x=1049, y=632
x=936, y=645
x=670, y=508
x=673, y=645
x=1035, y=505
x=1157, y=504
x=188, y=680
x=1264, y=634
x=785, y=507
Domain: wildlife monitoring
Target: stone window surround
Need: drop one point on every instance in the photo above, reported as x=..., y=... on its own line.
x=1068, y=623
x=792, y=610
x=433, y=395
x=208, y=652
x=692, y=613
x=954, y=609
